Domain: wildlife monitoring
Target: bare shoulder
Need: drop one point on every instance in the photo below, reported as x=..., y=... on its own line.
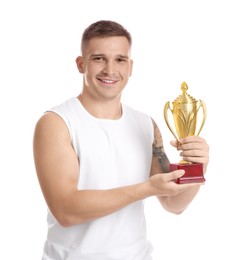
x=51, y=127
x=51, y=141
x=50, y=121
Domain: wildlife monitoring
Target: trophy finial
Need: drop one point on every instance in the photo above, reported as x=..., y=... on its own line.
x=184, y=87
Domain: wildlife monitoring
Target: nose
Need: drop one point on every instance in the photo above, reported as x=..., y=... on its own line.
x=109, y=68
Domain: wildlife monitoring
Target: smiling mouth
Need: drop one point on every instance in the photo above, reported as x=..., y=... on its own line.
x=108, y=81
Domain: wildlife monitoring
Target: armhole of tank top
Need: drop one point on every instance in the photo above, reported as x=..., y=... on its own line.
x=64, y=120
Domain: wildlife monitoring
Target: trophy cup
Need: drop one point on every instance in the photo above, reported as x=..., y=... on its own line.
x=184, y=112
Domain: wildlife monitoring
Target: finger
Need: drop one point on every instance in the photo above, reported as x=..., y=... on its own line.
x=193, y=138
x=191, y=141
x=199, y=156
x=202, y=160
x=175, y=175
x=194, y=146
x=197, y=152
x=194, y=153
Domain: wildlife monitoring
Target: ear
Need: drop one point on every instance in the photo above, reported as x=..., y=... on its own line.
x=79, y=62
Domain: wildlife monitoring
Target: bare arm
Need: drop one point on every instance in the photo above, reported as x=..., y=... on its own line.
x=193, y=149
x=57, y=167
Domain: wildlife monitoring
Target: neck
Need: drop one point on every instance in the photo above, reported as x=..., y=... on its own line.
x=111, y=109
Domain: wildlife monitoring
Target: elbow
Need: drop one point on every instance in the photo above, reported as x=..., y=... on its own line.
x=173, y=210
x=64, y=220
x=171, y=207
x=176, y=212
x=68, y=216
x=67, y=220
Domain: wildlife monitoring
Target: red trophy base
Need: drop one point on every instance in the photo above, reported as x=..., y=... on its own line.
x=193, y=172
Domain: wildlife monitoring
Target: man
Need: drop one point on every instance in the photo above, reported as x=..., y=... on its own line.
x=98, y=159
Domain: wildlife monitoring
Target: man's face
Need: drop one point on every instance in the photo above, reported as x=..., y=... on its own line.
x=106, y=66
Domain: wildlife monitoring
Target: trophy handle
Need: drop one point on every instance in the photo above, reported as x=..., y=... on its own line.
x=166, y=108
x=204, y=110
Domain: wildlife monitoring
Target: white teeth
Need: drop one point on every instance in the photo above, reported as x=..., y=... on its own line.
x=107, y=81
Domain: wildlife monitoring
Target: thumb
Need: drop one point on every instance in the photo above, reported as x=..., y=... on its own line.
x=174, y=143
x=176, y=174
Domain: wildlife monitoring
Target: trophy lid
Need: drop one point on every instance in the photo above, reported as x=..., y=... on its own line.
x=185, y=97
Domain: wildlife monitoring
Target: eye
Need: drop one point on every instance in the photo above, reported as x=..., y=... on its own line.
x=121, y=60
x=98, y=59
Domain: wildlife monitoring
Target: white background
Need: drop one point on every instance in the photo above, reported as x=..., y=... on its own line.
x=173, y=41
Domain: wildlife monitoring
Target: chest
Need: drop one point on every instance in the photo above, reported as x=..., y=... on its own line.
x=113, y=155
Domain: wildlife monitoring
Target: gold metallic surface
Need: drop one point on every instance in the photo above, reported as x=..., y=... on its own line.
x=184, y=112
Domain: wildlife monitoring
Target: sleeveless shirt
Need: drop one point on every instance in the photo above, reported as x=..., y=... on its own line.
x=111, y=153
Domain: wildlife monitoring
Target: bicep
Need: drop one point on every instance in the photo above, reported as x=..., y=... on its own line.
x=56, y=163
x=160, y=161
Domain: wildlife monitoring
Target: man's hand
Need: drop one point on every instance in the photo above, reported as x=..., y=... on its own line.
x=193, y=149
x=164, y=184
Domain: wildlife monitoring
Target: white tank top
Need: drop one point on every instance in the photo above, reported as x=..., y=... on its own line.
x=112, y=153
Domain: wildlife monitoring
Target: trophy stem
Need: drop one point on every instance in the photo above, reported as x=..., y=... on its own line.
x=184, y=162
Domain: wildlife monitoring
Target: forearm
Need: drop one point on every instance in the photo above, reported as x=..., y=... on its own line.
x=177, y=204
x=85, y=205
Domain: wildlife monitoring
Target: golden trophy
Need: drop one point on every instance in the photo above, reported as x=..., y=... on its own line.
x=185, y=111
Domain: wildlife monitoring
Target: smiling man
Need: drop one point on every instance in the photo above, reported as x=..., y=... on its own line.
x=98, y=159
x=106, y=65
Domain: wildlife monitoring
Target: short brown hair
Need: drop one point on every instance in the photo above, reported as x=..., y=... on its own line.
x=104, y=28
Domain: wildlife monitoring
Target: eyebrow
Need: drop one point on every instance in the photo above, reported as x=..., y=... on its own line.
x=103, y=55
x=123, y=57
